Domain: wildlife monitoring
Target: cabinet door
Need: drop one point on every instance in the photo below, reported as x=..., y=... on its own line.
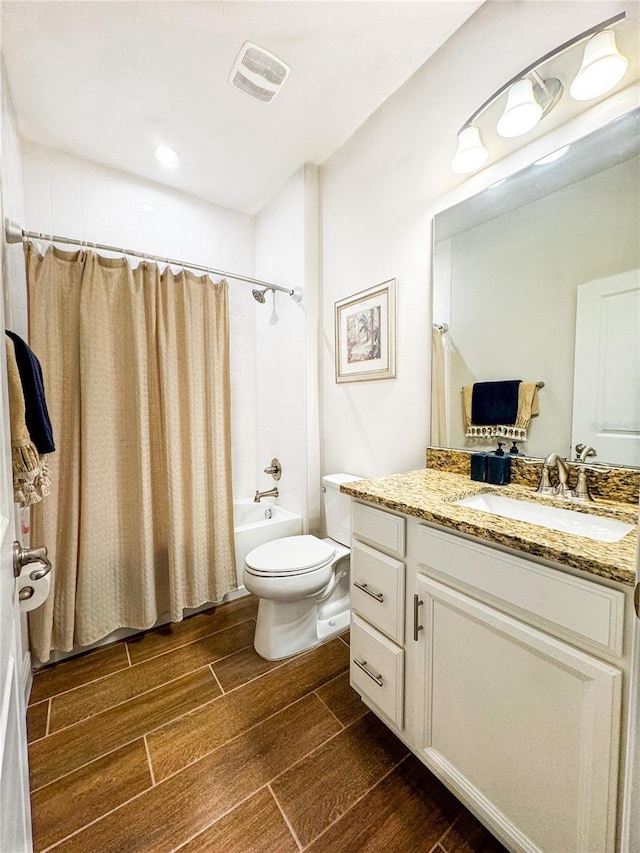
x=520, y=724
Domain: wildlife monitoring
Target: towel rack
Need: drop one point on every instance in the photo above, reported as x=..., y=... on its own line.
x=539, y=384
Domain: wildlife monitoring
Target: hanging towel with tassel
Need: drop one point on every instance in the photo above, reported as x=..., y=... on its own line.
x=36, y=413
x=506, y=416
x=30, y=471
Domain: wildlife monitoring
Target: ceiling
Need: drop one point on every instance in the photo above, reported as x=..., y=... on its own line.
x=110, y=81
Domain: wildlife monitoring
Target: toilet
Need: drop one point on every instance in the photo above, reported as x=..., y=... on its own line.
x=303, y=582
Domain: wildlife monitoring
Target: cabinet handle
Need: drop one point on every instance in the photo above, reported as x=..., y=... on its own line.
x=636, y=599
x=363, y=666
x=416, y=605
x=377, y=595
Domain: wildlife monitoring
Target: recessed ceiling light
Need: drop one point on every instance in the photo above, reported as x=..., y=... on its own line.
x=551, y=158
x=167, y=156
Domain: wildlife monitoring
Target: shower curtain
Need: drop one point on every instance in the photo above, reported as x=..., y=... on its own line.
x=139, y=523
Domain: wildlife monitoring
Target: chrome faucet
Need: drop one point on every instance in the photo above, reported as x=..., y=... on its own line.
x=271, y=493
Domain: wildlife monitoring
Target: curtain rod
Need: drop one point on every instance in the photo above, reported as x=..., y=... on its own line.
x=16, y=234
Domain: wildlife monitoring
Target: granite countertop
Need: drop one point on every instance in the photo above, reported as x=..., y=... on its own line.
x=431, y=494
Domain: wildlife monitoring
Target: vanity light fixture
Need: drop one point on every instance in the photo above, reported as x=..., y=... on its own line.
x=530, y=97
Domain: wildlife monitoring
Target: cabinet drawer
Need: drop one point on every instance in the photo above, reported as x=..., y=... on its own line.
x=377, y=669
x=377, y=590
x=583, y=612
x=379, y=528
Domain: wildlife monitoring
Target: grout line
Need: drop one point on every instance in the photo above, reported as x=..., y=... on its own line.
x=190, y=642
x=146, y=749
x=137, y=696
x=175, y=719
x=445, y=833
x=213, y=672
x=315, y=692
x=355, y=802
x=90, y=681
x=46, y=731
x=315, y=748
x=126, y=648
x=218, y=819
x=95, y=820
x=245, y=731
x=285, y=818
x=345, y=642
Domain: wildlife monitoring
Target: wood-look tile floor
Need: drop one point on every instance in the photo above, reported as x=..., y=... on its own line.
x=183, y=738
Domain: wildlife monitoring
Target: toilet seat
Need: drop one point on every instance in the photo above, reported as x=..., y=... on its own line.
x=290, y=556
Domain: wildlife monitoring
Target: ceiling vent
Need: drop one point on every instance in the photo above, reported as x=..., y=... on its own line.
x=258, y=73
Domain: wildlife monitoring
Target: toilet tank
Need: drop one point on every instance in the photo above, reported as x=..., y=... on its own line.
x=337, y=507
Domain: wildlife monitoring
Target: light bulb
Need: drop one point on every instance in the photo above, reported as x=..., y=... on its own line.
x=602, y=67
x=522, y=111
x=471, y=153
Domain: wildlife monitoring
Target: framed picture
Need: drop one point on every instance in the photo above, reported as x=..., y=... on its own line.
x=366, y=334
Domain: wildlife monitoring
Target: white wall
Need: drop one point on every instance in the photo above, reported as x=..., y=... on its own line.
x=15, y=293
x=280, y=344
x=75, y=198
x=379, y=193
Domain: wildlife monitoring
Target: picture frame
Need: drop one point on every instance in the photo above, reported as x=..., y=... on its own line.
x=365, y=325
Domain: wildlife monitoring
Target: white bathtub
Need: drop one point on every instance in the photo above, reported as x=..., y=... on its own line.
x=257, y=523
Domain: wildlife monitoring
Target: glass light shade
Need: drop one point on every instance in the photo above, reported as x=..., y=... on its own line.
x=471, y=153
x=602, y=67
x=522, y=111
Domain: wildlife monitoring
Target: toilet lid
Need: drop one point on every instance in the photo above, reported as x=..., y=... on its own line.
x=290, y=555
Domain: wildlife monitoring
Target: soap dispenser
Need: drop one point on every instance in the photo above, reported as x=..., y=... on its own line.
x=499, y=467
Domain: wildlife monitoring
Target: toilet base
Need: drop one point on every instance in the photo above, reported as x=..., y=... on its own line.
x=286, y=628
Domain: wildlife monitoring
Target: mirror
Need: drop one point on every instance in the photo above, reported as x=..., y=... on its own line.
x=510, y=266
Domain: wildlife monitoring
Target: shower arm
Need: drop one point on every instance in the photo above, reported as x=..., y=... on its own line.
x=15, y=234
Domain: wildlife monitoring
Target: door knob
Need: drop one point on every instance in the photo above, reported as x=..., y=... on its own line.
x=23, y=556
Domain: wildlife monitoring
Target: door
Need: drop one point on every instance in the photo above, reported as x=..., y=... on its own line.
x=15, y=818
x=519, y=723
x=606, y=385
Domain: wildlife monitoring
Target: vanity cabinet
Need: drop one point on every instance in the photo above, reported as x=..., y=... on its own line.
x=506, y=680
x=377, y=605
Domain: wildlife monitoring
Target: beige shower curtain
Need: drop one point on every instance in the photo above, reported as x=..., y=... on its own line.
x=140, y=520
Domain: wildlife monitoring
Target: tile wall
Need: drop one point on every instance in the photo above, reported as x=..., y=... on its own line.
x=280, y=344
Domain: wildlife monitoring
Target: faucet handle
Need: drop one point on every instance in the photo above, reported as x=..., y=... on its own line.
x=583, y=451
x=275, y=469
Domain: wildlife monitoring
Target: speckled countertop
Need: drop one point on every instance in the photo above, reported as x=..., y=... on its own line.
x=431, y=494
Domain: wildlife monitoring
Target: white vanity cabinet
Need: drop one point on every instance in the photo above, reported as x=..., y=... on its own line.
x=377, y=606
x=511, y=680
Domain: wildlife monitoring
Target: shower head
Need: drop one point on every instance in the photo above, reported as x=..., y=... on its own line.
x=259, y=295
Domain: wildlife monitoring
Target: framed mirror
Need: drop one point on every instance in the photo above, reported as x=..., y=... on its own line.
x=538, y=279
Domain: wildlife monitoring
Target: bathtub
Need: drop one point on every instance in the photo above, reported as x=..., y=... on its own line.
x=257, y=523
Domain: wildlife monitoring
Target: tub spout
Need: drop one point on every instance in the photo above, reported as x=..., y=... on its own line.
x=271, y=493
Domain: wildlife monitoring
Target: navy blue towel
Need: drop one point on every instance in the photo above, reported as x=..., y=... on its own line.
x=36, y=414
x=495, y=402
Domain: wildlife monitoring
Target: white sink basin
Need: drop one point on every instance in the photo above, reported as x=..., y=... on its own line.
x=597, y=527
